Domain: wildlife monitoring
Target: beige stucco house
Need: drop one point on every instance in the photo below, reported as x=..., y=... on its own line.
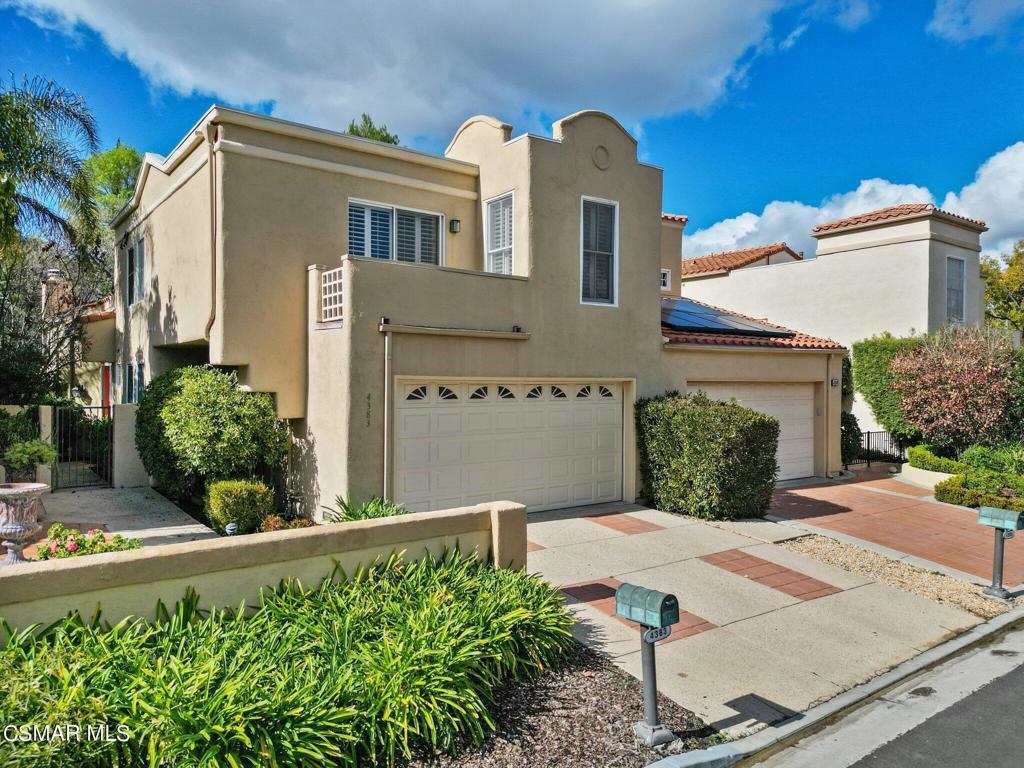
x=443, y=329
x=904, y=269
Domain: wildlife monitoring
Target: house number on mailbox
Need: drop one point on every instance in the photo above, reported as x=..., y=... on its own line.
x=656, y=634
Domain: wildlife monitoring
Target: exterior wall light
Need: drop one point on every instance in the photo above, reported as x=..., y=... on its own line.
x=835, y=382
x=454, y=226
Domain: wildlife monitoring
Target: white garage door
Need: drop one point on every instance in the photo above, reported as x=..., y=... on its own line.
x=792, y=405
x=543, y=444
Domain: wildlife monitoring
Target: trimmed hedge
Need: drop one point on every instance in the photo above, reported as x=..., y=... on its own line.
x=1003, y=458
x=873, y=379
x=924, y=457
x=850, y=437
x=972, y=489
x=706, y=458
x=245, y=502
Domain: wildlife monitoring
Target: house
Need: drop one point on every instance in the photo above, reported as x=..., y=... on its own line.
x=444, y=329
x=904, y=269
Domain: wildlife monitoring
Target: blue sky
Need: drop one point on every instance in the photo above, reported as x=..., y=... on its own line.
x=748, y=105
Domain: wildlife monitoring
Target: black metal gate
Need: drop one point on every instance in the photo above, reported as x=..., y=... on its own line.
x=879, y=447
x=84, y=439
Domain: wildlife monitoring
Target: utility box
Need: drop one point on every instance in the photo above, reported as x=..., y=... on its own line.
x=646, y=606
x=1004, y=519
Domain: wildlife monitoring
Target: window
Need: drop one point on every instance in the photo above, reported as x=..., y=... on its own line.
x=130, y=378
x=499, y=235
x=666, y=279
x=383, y=232
x=135, y=272
x=597, y=270
x=954, y=289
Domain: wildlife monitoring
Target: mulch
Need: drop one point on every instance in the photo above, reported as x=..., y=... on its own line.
x=580, y=714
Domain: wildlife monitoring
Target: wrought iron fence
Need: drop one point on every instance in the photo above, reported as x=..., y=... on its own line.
x=84, y=439
x=879, y=447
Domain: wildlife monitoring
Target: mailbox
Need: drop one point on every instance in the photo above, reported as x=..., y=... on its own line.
x=646, y=606
x=1004, y=519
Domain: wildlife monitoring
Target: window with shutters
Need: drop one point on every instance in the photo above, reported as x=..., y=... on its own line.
x=598, y=257
x=134, y=276
x=499, y=235
x=385, y=232
x=954, y=289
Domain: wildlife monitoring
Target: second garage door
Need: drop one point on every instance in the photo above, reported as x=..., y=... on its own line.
x=792, y=405
x=543, y=444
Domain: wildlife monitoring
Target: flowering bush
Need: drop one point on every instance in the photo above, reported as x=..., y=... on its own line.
x=956, y=386
x=68, y=542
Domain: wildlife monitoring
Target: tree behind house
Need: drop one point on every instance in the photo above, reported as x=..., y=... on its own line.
x=1004, y=289
x=368, y=129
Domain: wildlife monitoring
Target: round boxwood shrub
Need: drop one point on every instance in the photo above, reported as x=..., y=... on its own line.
x=244, y=502
x=195, y=424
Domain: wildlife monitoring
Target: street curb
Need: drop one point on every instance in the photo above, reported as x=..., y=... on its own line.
x=723, y=755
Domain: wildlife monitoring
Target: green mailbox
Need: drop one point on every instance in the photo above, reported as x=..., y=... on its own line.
x=1005, y=519
x=646, y=606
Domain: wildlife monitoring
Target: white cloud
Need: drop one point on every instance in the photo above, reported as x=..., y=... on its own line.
x=997, y=196
x=961, y=20
x=791, y=222
x=424, y=67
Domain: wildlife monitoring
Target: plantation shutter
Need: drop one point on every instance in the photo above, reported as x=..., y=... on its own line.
x=416, y=237
x=499, y=235
x=129, y=276
x=369, y=231
x=954, y=289
x=380, y=233
x=356, y=230
x=598, y=251
x=140, y=269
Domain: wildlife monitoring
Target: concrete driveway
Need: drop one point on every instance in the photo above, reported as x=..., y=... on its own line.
x=764, y=632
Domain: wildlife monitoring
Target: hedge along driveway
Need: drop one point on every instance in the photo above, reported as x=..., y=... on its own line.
x=764, y=631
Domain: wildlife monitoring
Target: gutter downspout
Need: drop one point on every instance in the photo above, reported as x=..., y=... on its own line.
x=388, y=397
x=210, y=132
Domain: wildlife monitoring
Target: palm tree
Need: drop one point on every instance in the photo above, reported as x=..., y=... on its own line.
x=45, y=131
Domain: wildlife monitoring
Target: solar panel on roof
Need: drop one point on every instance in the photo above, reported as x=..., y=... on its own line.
x=686, y=315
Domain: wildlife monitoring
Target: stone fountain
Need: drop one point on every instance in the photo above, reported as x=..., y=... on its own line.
x=19, y=517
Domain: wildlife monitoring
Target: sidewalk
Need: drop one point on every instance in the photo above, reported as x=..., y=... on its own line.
x=764, y=633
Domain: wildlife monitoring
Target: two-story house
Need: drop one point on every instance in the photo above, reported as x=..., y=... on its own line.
x=445, y=329
x=905, y=269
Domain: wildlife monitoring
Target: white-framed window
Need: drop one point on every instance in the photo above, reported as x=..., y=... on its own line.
x=599, y=246
x=954, y=289
x=129, y=379
x=135, y=272
x=498, y=217
x=386, y=232
x=666, y=279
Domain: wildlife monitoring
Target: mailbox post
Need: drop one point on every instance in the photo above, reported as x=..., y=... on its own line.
x=1004, y=522
x=655, y=612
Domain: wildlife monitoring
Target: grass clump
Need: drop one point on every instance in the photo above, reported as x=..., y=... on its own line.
x=405, y=657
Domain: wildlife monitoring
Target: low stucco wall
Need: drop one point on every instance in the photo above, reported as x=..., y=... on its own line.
x=128, y=469
x=923, y=477
x=228, y=570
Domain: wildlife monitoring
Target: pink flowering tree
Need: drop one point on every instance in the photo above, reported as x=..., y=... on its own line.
x=957, y=386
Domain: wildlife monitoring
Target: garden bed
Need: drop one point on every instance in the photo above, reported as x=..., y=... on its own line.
x=580, y=714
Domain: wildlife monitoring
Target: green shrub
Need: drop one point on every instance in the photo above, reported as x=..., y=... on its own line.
x=707, y=458
x=29, y=453
x=64, y=542
x=244, y=502
x=404, y=657
x=195, y=424
x=1003, y=458
x=279, y=523
x=17, y=427
x=873, y=379
x=967, y=490
x=847, y=380
x=850, y=437
x=924, y=457
x=348, y=509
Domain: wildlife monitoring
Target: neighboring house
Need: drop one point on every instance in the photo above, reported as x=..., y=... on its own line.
x=904, y=269
x=93, y=375
x=443, y=330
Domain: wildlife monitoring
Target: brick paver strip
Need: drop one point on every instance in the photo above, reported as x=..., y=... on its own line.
x=601, y=595
x=623, y=522
x=940, y=533
x=533, y=547
x=770, y=574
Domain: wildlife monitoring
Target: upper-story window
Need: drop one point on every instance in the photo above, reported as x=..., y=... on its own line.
x=135, y=272
x=499, y=235
x=386, y=232
x=954, y=289
x=666, y=279
x=599, y=252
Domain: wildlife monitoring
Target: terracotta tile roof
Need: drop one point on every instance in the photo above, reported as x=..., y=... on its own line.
x=797, y=341
x=723, y=262
x=907, y=210
x=98, y=310
x=676, y=217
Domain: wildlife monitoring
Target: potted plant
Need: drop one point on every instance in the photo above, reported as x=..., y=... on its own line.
x=22, y=458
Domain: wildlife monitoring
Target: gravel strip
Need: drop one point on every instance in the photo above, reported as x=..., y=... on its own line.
x=910, y=578
x=580, y=715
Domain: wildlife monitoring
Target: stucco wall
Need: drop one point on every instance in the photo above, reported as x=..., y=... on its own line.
x=672, y=254
x=228, y=570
